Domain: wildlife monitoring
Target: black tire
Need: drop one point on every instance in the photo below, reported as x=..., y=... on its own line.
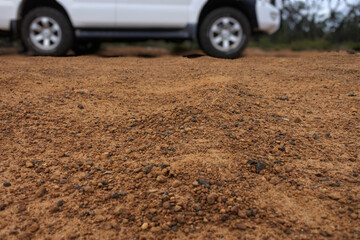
x=205, y=28
x=66, y=38
x=86, y=47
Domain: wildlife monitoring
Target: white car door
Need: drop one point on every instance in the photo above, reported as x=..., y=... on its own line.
x=153, y=13
x=91, y=13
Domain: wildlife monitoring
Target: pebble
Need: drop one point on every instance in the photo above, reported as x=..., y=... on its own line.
x=234, y=210
x=144, y=226
x=177, y=208
x=195, y=183
x=176, y=184
x=205, y=182
x=354, y=216
x=315, y=136
x=297, y=120
x=224, y=217
x=240, y=226
x=88, y=189
x=105, y=155
x=60, y=203
x=2, y=207
x=7, y=184
x=148, y=169
x=180, y=218
x=115, y=195
x=34, y=227
x=166, y=205
x=80, y=106
x=138, y=176
x=161, y=179
x=211, y=198
x=251, y=212
x=334, y=196
x=260, y=165
x=54, y=209
x=29, y=165
x=155, y=229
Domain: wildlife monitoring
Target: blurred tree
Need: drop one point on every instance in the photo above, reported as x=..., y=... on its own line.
x=333, y=21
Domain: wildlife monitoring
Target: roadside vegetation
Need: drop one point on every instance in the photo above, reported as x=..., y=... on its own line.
x=314, y=24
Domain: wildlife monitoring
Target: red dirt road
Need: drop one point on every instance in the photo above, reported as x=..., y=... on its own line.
x=153, y=146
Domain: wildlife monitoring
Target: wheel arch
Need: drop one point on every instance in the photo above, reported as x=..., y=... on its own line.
x=28, y=5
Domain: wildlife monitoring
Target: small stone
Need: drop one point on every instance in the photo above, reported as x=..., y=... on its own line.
x=88, y=189
x=328, y=135
x=354, y=216
x=211, y=198
x=315, y=136
x=224, y=217
x=54, y=209
x=115, y=195
x=2, y=207
x=205, y=182
x=251, y=212
x=177, y=208
x=180, y=218
x=197, y=208
x=148, y=169
x=105, y=155
x=155, y=229
x=80, y=106
x=240, y=226
x=260, y=165
x=7, y=184
x=119, y=210
x=161, y=179
x=60, y=203
x=165, y=171
x=41, y=192
x=234, y=210
x=166, y=205
x=297, y=120
x=144, y=226
x=29, y=164
x=353, y=109
x=275, y=180
x=138, y=176
x=176, y=184
x=34, y=227
x=195, y=183
x=334, y=196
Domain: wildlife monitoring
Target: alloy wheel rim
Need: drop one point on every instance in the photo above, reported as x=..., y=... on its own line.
x=226, y=34
x=45, y=33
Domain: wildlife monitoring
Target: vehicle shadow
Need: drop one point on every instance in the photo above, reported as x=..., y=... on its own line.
x=145, y=52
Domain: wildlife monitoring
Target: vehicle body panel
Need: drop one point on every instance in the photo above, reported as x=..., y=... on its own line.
x=145, y=14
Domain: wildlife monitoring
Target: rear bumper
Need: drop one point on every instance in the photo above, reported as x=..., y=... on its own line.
x=268, y=16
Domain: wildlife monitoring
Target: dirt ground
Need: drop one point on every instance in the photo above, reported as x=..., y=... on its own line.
x=136, y=143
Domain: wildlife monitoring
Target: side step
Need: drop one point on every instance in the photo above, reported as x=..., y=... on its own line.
x=132, y=34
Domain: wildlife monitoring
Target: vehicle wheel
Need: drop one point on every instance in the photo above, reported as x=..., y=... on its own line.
x=88, y=47
x=47, y=32
x=224, y=33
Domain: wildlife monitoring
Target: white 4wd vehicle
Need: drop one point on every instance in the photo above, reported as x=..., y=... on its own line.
x=222, y=27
